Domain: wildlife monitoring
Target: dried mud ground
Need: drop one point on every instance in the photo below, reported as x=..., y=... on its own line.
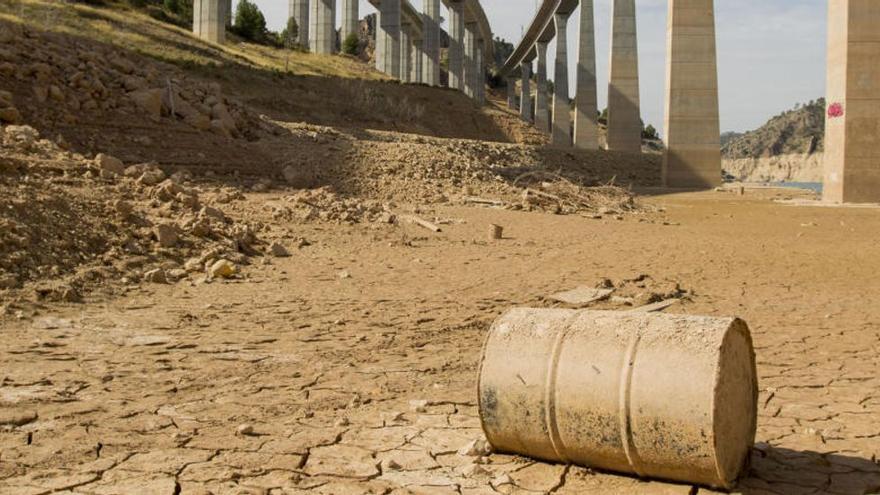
x=309, y=374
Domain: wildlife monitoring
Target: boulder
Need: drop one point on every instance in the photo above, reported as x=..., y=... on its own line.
x=221, y=269
x=10, y=115
x=278, y=250
x=110, y=164
x=167, y=235
x=148, y=100
x=157, y=276
x=151, y=177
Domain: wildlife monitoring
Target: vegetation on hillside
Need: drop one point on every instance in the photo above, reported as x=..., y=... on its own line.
x=799, y=130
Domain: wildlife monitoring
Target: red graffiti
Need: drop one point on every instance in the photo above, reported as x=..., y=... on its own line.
x=835, y=110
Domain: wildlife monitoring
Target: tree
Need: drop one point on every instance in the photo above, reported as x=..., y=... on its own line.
x=603, y=117
x=249, y=22
x=351, y=44
x=650, y=132
x=290, y=35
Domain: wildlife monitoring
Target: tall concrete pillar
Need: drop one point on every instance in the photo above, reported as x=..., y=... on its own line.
x=431, y=42
x=456, y=46
x=405, y=55
x=323, y=28
x=693, y=148
x=469, y=61
x=350, y=19
x=418, y=60
x=209, y=22
x=227, y=12
x=299, y=10
x=624, y=119
x=525, y=93
x=586, y=117
x=542, y=103
x=852, y=147
x=561, y=135
x=479, y=75
x=388, y=38
x=511, y=92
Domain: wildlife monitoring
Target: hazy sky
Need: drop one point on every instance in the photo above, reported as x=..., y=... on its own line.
x=771, y=53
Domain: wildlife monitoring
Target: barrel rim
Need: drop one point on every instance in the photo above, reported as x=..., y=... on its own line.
x=736, y=324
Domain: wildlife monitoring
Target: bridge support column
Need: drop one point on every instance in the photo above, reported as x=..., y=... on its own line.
x=431, y=43
x=299, y=10
x=525, y=95
x=209, y=23
x=586, y=122
x=350, y=19
x=388, y=38
x=418, y=60
x=511, y=92
x=542, y=105
x=456, y=46
x=852, y=147
x=561, y=135
x=624, y=119
x=470, y=59
x=405, y=55
x=693, y=148
x=323, y=30
x=226, y=5
x=479, y=75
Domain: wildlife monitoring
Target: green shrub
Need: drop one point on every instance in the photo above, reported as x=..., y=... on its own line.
x=351, y=44
x=250, y=23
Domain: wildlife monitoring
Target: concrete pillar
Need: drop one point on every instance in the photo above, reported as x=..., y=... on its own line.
x=350, y=19
x=323, y=28
x=542, y=104
x=852, y=147
x=586, y=118
x=388, y=38
x=209, y=23
x=431, y=43
x=418, y=59
x=624, y=120
x=693, y=149
x=299, y=10
x=405, y=55
x=561, y=135
x=469, y=68
x=479, y=75
x=511, y=92
x=227, y=12
x=456, y=46
x=525, y=94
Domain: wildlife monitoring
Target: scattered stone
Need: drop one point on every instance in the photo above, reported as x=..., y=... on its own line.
x=473, y=471
x=8, y=281
x=222, y=269
x=167, y=235
x=211, y=212
x=475, y=448
x=419, y=406
x=151, y=177
x=10, y=115
x=110, y=164
x=9, y=417
x=501, y=480
x=157, y=276
x=148, y=100
x=278, y=250
x=123, y=208
x=343, y=274
x=245, y=430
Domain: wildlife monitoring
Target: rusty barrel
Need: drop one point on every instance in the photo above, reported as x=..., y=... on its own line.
x=654, y=395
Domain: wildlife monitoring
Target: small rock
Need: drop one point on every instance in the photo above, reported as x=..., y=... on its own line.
x=148, y=100
x=10, y=115
x=278, y=250
x=245, y=429
x=151, y=177
x=343, y=274
x=222, y=269
x=123, y=208
x=156, y=276
x=473, y=471
x=176, y=274
x=167, y=235
x=391, y=465
x=501, y=480
x=476, y=448
x=8, y=281
x=211, y=212
x=17, y=418
x=110, y=164
x=419, y=406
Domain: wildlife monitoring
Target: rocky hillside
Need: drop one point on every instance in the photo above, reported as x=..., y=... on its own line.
x=797, y=131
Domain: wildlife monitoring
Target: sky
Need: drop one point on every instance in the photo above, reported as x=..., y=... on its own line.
x=771, y=53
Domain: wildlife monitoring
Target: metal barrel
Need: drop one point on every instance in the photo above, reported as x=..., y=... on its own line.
x=659, y=396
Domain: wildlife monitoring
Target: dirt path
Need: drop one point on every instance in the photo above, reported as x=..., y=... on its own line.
x=326, y=356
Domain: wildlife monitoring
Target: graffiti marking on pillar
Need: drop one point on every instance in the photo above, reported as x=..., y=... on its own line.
x=835, y=110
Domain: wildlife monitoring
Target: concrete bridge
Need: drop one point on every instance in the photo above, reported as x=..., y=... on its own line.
x=407, y=41
x=408, y=48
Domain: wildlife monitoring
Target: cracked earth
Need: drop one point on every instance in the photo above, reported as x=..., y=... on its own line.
x=294, y=379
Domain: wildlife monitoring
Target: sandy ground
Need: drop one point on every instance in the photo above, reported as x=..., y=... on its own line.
x=299, y=377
